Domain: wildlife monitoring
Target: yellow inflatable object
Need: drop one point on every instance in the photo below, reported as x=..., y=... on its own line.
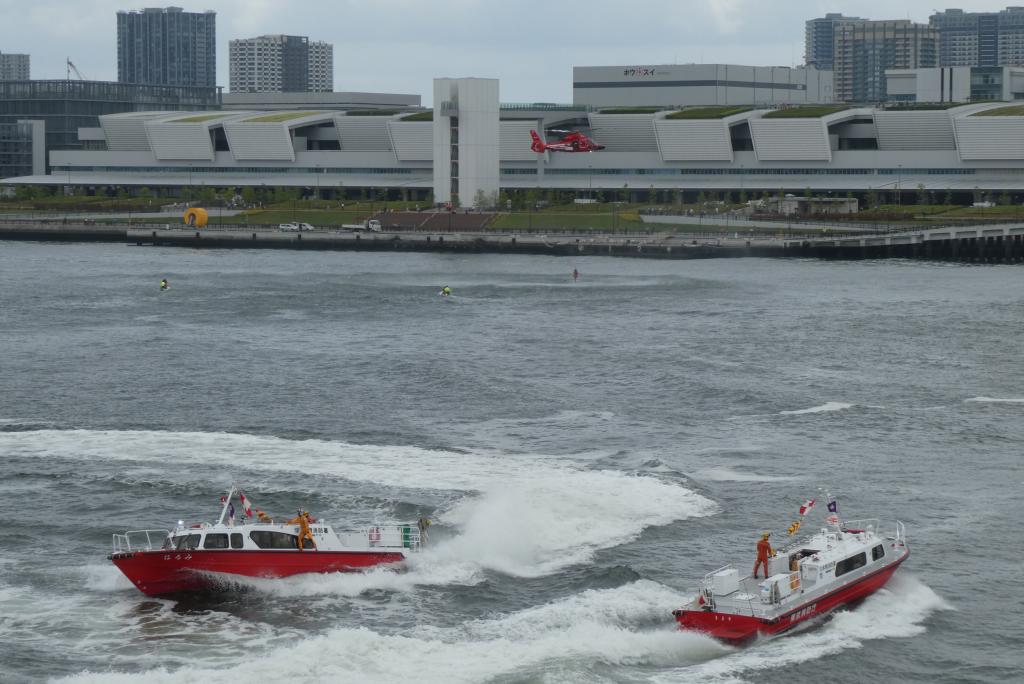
x=196, y=217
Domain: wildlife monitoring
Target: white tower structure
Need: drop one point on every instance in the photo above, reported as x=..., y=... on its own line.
x=466, y=141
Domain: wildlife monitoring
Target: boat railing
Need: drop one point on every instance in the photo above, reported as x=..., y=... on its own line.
x=901, y=533
x=139, y=540
x=393, y=536
x=862, y=525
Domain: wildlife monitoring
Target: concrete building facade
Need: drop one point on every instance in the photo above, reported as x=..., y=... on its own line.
x=280, y=64
x=14, y=67
x=69, y=107
x=466, y=141
x=955, y=84
x=167, y=46
x=983, y=39
x=22, y=148
x=678, y=85
x=467, y=146
x=864, y=50
x=819, y=40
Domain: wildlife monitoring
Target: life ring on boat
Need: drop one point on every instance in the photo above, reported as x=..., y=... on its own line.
x=374, y=535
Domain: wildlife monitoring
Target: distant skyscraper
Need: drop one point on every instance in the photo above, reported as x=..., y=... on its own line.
x=865, y=49
x=280, y=64
x=14, y=67
x=819, y=39
x=167, y=46
x=985, y=39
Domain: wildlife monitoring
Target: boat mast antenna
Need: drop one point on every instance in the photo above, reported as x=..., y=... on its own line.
x=227, y=502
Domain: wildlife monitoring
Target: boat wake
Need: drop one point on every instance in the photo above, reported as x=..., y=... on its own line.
x=529, y=526
x=608, y=628
x=594, y=635
x=515, y=514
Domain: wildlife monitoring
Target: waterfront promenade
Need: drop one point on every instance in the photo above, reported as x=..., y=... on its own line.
x=1002, y=243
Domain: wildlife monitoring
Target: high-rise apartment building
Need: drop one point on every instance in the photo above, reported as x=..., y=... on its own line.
x=280, y=64
x=167, y=46
x=819, y=39
x=984, y=39
x=865, y=49
x=14, y=67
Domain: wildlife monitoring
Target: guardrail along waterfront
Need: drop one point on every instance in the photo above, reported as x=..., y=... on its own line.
x=979, y=244
x=648, y=245
x=983, y=244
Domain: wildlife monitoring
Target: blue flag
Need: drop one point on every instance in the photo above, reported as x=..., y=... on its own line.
x=833, y=507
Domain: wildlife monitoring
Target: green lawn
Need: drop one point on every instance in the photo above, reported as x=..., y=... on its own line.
x=277, y=118
x=200, y=118
x=809, y=112
x=1012, y=110
x=707, y=112
x=315, y=217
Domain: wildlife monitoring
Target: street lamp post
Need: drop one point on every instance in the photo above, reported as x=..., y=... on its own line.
x=899, y=177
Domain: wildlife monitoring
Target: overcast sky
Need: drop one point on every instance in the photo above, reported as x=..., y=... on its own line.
x=399, y=46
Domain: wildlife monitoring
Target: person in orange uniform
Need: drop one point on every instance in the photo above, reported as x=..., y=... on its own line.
x=764, y=552
x=302, y=520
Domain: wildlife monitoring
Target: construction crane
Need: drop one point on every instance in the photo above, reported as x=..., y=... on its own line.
x=72, y=67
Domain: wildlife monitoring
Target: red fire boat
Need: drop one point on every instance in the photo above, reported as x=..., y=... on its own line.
x=202, y=556
x=837, y=566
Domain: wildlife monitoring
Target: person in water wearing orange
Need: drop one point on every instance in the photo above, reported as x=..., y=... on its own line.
x=302, y=520
x=764, y=552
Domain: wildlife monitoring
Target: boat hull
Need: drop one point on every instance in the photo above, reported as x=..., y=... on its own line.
x=737, y=629
x=156, y=573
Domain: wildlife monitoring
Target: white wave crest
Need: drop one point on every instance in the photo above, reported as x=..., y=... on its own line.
x=730, y=475
x=993, y=400
x=824, y=408
x=566, y=636
x=105, y=578
x=525, y=527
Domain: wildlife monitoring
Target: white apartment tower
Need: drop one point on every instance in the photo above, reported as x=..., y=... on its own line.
x=280, y=64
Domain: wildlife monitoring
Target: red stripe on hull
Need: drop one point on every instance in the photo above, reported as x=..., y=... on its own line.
x=737, y=629
x=161, y=572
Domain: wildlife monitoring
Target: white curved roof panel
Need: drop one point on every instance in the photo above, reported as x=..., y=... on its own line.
x=624, y=132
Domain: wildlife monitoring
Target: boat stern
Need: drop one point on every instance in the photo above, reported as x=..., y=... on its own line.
x=732, y=629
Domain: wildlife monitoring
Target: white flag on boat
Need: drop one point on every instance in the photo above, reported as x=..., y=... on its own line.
x=806, y=508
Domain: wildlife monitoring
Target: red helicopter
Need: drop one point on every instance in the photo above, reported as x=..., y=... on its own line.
x=573, y=142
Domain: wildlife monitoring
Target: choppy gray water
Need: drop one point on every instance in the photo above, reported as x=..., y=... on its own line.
x=588, y=451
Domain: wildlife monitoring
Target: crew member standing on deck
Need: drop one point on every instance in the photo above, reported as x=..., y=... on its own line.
x=302, y=520
x=764, y=552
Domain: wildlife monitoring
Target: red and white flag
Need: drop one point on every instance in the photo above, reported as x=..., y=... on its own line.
x=246, y=504
x=808, y=505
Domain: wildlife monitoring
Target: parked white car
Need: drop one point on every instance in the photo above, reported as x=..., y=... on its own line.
x=295, y=227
